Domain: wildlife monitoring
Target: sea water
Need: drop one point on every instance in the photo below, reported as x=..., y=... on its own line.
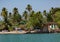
x=52, y=37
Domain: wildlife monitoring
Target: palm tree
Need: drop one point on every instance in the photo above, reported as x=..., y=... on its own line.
x=16, y=16
x=44, y=12
x=35, y=20
x=4, y=13
x=15, y=11
x=50, y=15
x=10, y=14
x=25, y=15
x=40, y=18
x=39, y=15
x=32, y=13
x=29, y=7
x=56, y=15
x=44, y=16
x=52, y=10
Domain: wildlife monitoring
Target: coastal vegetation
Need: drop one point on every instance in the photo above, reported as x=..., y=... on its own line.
x=29, y=19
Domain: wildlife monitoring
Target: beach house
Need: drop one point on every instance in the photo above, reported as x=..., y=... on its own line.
x=50, y=27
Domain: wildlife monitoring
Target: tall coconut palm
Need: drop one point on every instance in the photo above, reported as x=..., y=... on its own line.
x=44, y=12
x=29, y=7
x=44, y=16
x=10, y=14
x=5, y=16
x=25, y=15
x=10, y=17
x=50, y=15
x=4, y=13
x=36, y=20
x=15, y=11
x=52, y=10
x=16, y=15
x=32, y=13
x=40, y=17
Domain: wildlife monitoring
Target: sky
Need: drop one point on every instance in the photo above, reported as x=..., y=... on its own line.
x=37, y=5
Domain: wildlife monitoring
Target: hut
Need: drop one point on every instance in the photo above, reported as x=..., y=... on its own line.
x=50, y=27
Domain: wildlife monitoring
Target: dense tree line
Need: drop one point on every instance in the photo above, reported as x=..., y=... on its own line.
x=29, y=18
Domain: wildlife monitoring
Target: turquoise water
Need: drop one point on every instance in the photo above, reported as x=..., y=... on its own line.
x=30, y=37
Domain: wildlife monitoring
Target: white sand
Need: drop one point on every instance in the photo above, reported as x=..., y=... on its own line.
x=13, y=32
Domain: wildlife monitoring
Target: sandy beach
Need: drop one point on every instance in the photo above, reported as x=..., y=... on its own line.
x=13, y=32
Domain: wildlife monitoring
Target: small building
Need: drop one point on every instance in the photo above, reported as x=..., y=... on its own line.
x=50, y=27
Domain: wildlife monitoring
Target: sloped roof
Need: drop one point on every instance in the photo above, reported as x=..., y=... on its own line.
x=49, y=23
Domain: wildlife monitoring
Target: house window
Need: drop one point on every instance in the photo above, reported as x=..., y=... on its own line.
x=52, y=26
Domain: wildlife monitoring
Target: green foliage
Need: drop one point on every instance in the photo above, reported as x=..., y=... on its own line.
x=49, y=18
x=29, y=7
x=54, y=16
x=25, y=15
x=16, y=15
x=35, y=20
x=31, y=18
x=57, y=17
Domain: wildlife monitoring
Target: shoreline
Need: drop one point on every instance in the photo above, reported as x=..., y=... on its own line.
x=13, y=32
x=24, y=32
